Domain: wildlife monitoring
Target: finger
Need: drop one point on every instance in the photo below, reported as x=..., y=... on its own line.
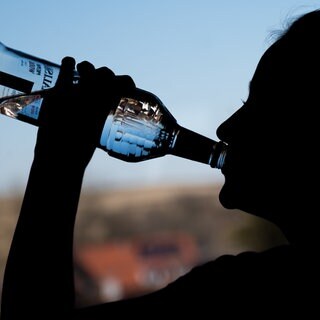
x=66, y=74
x=125, y=84
x=104, y=73
x=104, y=78
x=86, y=81
x=86, y=70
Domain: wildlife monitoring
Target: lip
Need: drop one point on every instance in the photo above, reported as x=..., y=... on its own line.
x=223, y=170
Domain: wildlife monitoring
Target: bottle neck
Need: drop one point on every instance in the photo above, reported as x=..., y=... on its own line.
x=196, y=147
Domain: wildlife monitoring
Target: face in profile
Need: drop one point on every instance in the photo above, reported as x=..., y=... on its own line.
x=265, y=136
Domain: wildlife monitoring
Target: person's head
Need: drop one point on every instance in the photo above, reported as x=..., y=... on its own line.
x=272, y=138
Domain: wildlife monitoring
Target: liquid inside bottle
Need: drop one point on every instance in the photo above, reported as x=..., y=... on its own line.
x=138, y=129
x=22, y=107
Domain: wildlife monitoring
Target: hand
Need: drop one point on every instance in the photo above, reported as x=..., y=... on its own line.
x=72, y=115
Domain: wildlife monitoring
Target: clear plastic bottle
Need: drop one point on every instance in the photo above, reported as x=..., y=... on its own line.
x=139, y=128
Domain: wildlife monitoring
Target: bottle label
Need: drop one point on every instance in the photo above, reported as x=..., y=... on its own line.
x=7, y=91
x=19, y=73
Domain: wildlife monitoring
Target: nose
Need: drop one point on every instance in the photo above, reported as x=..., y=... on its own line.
x=229, y=128
x=222, y=131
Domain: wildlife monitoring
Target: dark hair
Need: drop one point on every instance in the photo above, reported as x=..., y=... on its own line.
x=299, y=50
x=291, y=69
x=297, y=24
x=304, y=26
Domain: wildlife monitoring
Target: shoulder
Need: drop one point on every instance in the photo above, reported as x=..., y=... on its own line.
x=240, y=283
x=246, y=262
x=254, y=272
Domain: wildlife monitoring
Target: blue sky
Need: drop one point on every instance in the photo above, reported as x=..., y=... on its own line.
x=198, y=56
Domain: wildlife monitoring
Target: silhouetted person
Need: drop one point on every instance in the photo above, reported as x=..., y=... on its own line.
x=271, y=171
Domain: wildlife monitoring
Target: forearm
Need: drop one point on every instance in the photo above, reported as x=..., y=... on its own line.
x=38, y=281
x=39, y=272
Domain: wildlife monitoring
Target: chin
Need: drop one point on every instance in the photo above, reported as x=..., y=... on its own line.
x=233, y=199
x=226, y=199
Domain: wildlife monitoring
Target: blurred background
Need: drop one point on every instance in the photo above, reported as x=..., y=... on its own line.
x=142, y=225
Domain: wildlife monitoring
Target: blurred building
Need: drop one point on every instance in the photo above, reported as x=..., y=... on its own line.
x=117, y=270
